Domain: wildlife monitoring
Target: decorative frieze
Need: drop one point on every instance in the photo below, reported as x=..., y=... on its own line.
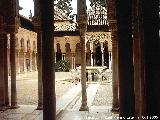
x=65, y=27
x=97, y=15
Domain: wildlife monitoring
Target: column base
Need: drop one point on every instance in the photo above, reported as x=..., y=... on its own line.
x=14, y=106
x=84, y=108
x=39, y=108
x=115, y=110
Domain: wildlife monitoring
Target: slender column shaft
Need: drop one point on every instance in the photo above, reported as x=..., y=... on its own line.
x=115, y=77
x=18, y=62
x=24, y=60
x=110, y=60
x=91, y=55
x=102, y=50
x=38, y=57
x=84, y=106
x=48, y=68
x=138, y=62
x=151, y=56
x=2, y=83
x=13, y=71
x=34, y=61
x=138, y=78
x=73, y=60
x=55, y=57
x=6, y=70
x=39, y=66
x=31, y=65
x=92, y=59
x=102, y=59
x=72, y=63
x=125, y=44
x=82, y=24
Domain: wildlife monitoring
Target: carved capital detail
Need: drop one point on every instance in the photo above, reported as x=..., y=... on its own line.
x=37, y=23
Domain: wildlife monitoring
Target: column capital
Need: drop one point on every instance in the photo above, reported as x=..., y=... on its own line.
x=37, y=23
x=13, y=23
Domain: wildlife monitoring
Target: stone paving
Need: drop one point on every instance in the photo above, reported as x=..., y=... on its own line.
x=91, y=115
x=99, y=108
x=25, y=112
x=27, y=88
x=99, y=101
x=103, y=96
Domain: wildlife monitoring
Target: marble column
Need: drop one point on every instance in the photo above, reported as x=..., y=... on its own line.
x=102, y=50
x=6, y=70
x=73, y=52
x=110, y=60
x=55, y=57
x=82, y=24
x=91, y=48
x=18, y=64
x=39, y=66
x=24, y=60
x=139, y=82
x=2, y=83
x=115, y=70
x=13, y=70
x=125, y=54
x=48, y=57
x=72, y=63
x=36, y=61
x=150, y=31
x=73, y=60
x=36, y=21
x=31, y=59
x=92, y=60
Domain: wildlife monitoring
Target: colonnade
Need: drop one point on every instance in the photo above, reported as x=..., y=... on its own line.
x=8, y=25
x=26, y=61
x=146, y=58
x=93, y=52
x=70, y=52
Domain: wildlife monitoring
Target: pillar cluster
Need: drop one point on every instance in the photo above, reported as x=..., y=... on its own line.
x=134, y=59
x=133, y=56
x=8, y=25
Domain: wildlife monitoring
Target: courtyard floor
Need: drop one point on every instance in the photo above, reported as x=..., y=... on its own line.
x=27, y=88
x=68, y=95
